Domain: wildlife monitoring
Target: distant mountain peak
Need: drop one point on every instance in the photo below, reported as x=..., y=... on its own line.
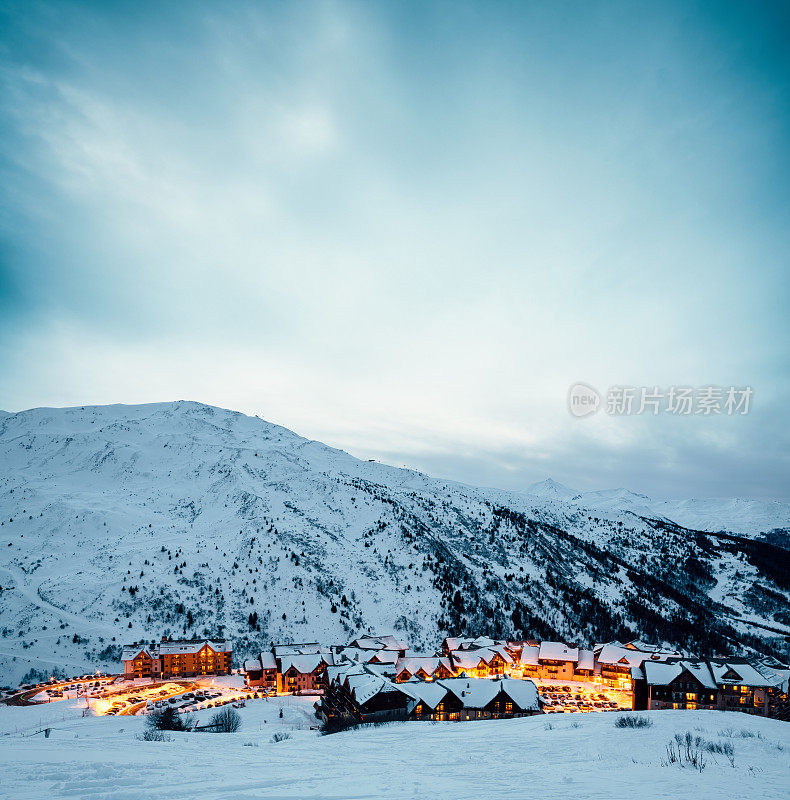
x=550, y=488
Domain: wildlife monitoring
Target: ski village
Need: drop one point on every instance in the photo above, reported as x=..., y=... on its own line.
x=378, y=678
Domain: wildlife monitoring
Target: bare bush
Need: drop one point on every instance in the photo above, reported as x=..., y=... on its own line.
x=281, y=736
x=633, y=722
x=226, y=721
x=154, y=735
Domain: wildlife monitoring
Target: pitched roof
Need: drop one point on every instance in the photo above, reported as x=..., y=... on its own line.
x=375, y=642
x=662, y=673
x=428, y=664
x=557, y=651
x=529, y=655
x=130, y=652
x=524, y=694
x=304, y=663
x=586, y=660
x=305, y=648
x=744, y=673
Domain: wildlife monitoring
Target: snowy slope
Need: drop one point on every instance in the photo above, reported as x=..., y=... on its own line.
x=125, y=522
x=554, y=758
x=736, y=515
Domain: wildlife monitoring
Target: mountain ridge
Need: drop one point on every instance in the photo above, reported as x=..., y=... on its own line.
x=141, y=520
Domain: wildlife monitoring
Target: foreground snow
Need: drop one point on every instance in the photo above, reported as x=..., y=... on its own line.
x=582, y=756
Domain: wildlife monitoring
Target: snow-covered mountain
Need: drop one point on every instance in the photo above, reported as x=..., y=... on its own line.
x=733, y=515
x=126, y=522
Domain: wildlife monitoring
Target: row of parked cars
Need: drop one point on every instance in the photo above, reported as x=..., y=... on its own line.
x=87, y=687
x=562, y=699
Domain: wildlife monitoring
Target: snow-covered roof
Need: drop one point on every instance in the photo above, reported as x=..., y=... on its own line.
x=375, y=642
x=252, y=665
x=529, y=655
x=472, y=657
x=586, y=660
x=268, y=660
x=431, y=693
x=557, y=651
x=304, y=663
x=130, y=652
x=524, y=694
x=472, y=692
x=662, y=673
x=744, y=673
x=184, y=647
x=429, y=664
x=466, y=659
x=305, y=648
x=175, y=647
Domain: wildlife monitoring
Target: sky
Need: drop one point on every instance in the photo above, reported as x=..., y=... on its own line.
x=406, y=229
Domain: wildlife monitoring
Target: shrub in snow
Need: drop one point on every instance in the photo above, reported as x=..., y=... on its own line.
x=281, y=736
x=633, y=722
x=688, y=750
x=153, y=735
x=168, y=720
x=226, y=721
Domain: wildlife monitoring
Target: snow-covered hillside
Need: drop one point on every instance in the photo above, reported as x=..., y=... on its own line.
x=735, y=515
x=125, y=522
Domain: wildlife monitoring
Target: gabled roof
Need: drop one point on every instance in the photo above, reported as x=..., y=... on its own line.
x=662, y=673
x=268, y=661
x=428, y=664
x=305, y=648
x=472, y=692
x=557, y=651
x=304, y=663
x=130, y=652
x=375, y=642
x=431, y=694
x=586, y=660
x=524, y=694
x=183, y=648
x=252, y=665
x=529, y=655
x=738, y=673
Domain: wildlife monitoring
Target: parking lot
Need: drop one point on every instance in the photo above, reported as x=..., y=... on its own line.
x=574, y=697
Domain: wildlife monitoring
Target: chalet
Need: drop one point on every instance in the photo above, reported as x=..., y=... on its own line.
x=183, y=658
x=302, y=673
x=557, y=660
x=361, y=694
x=138, y=661
x=616, y=664
x=528, y=660
x=471, y=699
x=261, y=672
x=480, y=658
x=426, y=668
x=358, y=692
x=742, y=687
x=680, y=684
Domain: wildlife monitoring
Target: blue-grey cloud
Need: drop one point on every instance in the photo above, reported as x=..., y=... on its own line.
x=406, y=228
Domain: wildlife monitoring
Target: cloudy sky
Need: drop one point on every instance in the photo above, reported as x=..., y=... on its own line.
x=406, y=229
